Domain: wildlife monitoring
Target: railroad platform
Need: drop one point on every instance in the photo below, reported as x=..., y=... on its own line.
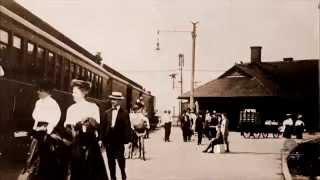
x=178, y=160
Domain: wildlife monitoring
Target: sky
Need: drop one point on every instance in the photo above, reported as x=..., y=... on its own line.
x=125, y=32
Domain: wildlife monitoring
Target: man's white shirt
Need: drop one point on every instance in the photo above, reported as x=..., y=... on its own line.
x=114, y=116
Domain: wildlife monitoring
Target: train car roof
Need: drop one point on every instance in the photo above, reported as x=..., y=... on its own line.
x=36, y=21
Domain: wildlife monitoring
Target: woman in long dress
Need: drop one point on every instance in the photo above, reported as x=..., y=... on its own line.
x=83, y=119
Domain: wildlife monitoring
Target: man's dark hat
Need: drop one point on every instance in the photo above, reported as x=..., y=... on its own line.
x=85, y=85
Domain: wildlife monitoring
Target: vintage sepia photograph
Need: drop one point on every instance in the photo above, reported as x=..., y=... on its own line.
x=159, y=90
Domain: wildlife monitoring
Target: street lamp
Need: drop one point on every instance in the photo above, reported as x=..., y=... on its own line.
x=173, y=77
x=194, y=36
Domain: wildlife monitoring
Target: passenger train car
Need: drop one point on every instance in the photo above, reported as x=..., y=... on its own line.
x=31, y=49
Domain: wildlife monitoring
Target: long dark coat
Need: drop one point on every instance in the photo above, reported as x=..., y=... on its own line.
x=117, y=136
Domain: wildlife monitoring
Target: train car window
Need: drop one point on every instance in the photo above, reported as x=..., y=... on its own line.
x=80, y=72
x=72, y=70
x=4, y=36
x=17, y=42
x=51, y=65
x=77, y=71
x=94, y=85
x=58, y=71
x=84, y=74
x=66, y=74
x=89, y=76
x=101, y=86
x=30, y=48
x=40, y=52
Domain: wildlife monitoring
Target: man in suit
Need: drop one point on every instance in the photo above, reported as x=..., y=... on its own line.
x=116, y=129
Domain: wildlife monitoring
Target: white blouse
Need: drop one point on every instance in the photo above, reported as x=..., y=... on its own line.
x=46, y=110
x=138, y=118
x=81, y=111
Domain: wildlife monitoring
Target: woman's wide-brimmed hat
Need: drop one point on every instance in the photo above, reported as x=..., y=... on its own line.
x=85, y=85
x=116, y=96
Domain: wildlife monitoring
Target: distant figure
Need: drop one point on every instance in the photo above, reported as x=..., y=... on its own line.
x=212, y=125
x=185, y=126
x=299, y=127
x=206, y=125
x=199, y=127
x=189, y=124
x=167, y=121
x=217, y=140
x=225, y=130
x=287, y=125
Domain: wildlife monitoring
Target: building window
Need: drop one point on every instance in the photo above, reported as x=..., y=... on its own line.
x=4, y=36
x=30, y=48
x=40, y=52
x=17, y=42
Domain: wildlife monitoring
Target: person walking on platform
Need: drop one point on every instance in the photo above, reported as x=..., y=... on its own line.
x=199, y=127
x=185, y=127
x=287, y=126
x=212, y=125
x=116, y=130
x=46, y=115
x=299, y=127
x=167, y=120
x=82, y=121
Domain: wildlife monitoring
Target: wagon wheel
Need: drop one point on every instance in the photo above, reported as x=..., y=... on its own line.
x=276, y=134
x=256, y=135
x=246, y=134
x=265, y=134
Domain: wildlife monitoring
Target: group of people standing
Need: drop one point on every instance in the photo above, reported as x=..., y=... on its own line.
x=74, y=150
x=213, y=125
x=293, y=125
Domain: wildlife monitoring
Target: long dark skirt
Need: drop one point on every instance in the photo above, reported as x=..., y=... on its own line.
x=87, y=161
x=48, y=158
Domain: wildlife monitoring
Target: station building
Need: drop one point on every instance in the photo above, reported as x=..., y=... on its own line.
x=271, y=88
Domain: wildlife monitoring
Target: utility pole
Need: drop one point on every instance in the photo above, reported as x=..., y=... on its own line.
x=194, y=36
x=181, y=64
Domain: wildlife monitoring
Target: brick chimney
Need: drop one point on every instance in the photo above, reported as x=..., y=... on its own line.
x=256, y=54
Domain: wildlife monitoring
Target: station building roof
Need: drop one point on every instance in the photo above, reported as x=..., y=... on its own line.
x=294, y=78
